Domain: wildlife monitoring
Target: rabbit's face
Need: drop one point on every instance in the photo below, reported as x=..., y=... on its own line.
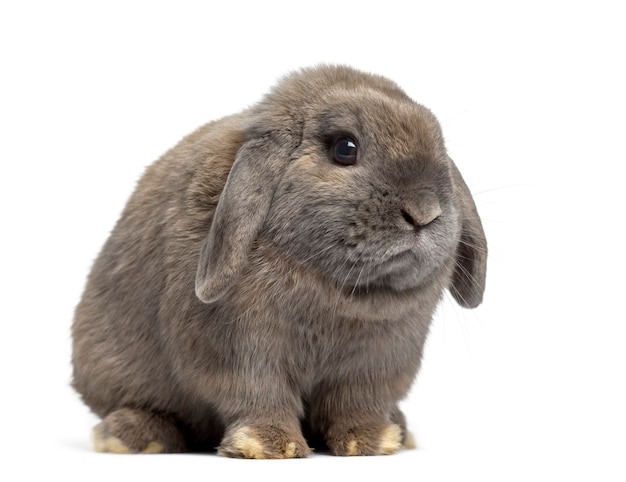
x=367, y=197
x=345, y=174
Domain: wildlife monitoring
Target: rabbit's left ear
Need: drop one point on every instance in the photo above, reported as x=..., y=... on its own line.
x=468, y=281
x=242, y=208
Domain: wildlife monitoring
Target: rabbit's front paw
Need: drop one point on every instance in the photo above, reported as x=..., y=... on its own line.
x=263, y=442
x=374, y=440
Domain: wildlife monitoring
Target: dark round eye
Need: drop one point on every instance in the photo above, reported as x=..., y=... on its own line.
x=344, y=151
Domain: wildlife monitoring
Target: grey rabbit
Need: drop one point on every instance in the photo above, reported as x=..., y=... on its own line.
x=270, y=284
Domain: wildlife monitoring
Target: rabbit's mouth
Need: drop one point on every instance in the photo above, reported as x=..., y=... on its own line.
x=403, y=268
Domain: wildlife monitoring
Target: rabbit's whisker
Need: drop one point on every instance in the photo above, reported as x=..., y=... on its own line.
x=358, y=278
x=339, y=294
x=475, y=284
x=314, y=255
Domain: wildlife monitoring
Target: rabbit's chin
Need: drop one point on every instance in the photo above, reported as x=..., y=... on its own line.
x=401, y=274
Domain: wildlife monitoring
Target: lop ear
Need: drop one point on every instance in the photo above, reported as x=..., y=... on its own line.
x=240, y=213
x=468, y=281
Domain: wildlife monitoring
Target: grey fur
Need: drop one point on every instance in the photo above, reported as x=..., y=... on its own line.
x=253, y=289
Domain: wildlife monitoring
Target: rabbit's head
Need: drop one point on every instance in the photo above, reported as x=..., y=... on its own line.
x=344, y=173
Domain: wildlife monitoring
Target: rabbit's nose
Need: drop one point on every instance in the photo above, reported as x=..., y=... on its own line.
x=422, y=213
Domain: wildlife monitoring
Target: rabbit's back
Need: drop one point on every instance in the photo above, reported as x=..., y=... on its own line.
x=119, y=356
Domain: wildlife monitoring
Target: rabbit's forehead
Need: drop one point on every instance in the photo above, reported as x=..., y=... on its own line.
x=404, y=128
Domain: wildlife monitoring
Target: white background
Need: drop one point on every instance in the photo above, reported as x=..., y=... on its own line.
x=530, y=95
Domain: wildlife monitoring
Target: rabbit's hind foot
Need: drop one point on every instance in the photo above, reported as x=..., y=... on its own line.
x=131, y=431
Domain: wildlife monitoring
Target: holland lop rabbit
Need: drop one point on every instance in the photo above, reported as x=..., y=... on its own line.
x=270, y=284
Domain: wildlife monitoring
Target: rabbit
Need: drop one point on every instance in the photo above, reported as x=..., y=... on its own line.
x=269, y=286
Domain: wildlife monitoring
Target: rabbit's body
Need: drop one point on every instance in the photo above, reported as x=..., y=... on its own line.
x=318, y=280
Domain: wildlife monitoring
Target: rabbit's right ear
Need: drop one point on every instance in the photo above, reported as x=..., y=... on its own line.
x=240, y=212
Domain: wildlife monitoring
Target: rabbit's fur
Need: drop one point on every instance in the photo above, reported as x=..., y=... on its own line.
x=257, y=296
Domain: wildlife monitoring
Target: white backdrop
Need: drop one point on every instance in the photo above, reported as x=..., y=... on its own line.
x=530, y=95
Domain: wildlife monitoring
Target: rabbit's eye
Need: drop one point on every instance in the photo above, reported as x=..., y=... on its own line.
x=344, y=151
